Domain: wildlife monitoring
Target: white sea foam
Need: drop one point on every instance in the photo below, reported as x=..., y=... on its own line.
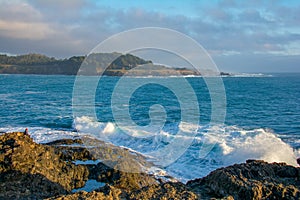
x=87, y=125
x=109, y=128
x=43, y=135
x=212, y=147
x=256, y=144
x=250, y=75
x=33, y=92
x=226, y=145
x=297, y=153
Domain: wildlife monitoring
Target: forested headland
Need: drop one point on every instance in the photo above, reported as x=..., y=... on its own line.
x=110, y=64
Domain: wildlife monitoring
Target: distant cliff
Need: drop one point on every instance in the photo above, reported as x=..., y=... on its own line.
x=39, y=64
x=93, y=64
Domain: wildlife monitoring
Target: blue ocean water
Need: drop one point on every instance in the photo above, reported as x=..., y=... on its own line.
x=262, y=117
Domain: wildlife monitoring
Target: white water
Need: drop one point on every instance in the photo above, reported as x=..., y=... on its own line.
x=212, y=147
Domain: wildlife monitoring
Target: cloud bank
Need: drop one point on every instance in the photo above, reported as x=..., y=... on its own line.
x=239, y=35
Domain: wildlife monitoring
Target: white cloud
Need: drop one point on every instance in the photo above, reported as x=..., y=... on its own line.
x=19, y=11
x=63, y=27
x=25, y=30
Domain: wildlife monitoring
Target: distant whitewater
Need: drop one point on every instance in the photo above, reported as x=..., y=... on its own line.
x=262, y=119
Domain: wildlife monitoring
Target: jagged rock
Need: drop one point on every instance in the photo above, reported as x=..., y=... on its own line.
x=73, y=153
x=71, y=149
x=30, y=170
x=164, y=191
x=251, y=180
x=93, y=149
x=65, y=142
x=35, y=171
x=17, y=185
x=121, y=169
x=21, y=157
x=106, y=193
x=123, y=180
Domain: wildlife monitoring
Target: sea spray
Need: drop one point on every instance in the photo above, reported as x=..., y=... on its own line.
x=234, y=145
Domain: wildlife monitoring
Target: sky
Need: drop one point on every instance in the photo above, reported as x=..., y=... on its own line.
x=240, y=36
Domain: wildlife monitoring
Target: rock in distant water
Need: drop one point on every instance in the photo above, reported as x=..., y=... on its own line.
x=251, y=180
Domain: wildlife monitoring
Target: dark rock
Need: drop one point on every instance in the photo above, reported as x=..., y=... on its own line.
x=71, y=149
x=93, y=149
x=73, y=153
x=225, y=74
x=65, y=142
x=251, y=180
x=108, y=193
x=120, y=179
x=164, y=191
x=35, y=171
x=50, y=171
x=17, y=185
x=21, y=157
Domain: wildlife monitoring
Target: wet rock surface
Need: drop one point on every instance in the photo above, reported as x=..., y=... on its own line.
x=35, y=171
x=167, y=190
x=107, y=192
x=35, y=164
x=124, y=180
x=251, y=180
x=51, y=171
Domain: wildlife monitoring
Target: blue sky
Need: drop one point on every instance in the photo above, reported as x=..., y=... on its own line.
x=240, y=36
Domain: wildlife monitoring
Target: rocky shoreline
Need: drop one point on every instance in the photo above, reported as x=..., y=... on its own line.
x=55, y=170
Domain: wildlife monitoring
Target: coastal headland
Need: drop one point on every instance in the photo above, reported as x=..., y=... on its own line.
x=108, y=64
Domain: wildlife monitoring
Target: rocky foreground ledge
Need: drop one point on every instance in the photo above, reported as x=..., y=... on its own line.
x=48, y=171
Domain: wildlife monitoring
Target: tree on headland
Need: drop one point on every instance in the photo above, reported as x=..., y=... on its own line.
x=110, y=64
x=41, y=64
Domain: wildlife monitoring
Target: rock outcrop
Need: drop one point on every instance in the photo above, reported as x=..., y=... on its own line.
x=51, y=171
x=120, y=179
x=35, y=171
x=166, y=191
x=105, y=193
x=251, y=180
x=27, y=168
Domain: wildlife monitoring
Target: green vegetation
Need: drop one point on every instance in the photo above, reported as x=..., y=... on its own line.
x=29, y=59
x=93, y=64
x=39, y=64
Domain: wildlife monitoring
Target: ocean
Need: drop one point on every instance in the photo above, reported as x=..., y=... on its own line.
x=262, y=117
